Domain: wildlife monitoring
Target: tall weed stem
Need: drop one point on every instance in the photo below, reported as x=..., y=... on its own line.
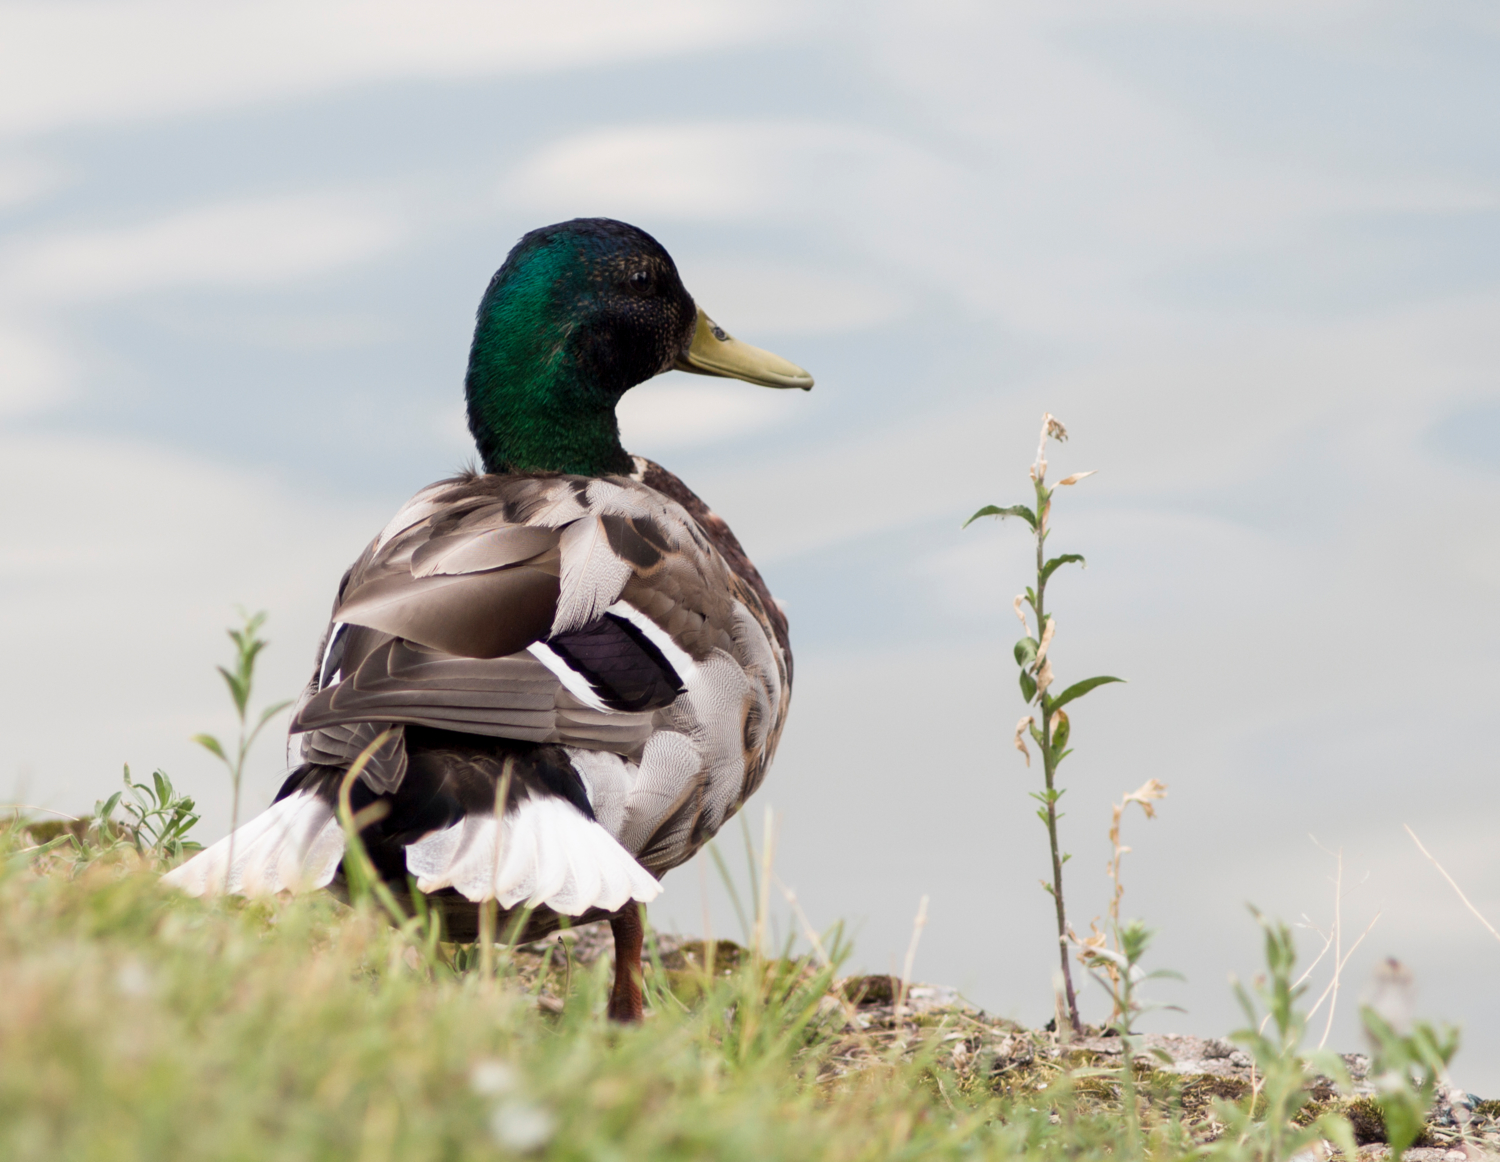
x=1036, y=677
x=247, y=647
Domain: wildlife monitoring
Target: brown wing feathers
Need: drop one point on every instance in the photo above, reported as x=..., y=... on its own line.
x=478, y=615
x=469, y=552
x=441, y=613
x=438, y=612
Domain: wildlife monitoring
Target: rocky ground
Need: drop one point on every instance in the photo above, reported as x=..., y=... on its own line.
x=871, y=1020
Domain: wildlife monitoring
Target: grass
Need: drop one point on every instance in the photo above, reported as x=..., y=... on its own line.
x=136, y=1023
x=140, y=1024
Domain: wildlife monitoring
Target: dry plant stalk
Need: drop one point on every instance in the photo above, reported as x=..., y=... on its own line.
x=911, y=955
x=489, y=908
x=710, y=945
x=1452, y=883
x=808, y=930
x=1147, y=793
x=1332, y=941
x=1093, y=952
x=1050, y=728
x=763, y=894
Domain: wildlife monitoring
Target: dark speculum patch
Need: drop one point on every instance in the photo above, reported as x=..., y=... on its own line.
x=621, y=663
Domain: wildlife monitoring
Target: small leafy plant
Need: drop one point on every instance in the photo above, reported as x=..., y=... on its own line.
x=1266, y=1126
x=157, y=818
x=1052, y=733
x=1118, y=971
x=157, y=821
x=1407, y=1066
x=247, y=646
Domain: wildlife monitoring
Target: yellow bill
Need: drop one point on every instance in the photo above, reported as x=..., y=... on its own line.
x=714, y=351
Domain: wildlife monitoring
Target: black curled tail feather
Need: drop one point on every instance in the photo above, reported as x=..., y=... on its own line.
x=448, y=776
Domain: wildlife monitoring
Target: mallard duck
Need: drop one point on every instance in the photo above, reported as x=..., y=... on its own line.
x=572, y=624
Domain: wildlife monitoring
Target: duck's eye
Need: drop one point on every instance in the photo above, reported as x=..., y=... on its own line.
x=640, y=280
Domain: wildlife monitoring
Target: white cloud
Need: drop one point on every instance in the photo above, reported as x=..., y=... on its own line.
x=1003, y=211
x=122, y=563
x=1164, y=419
x=64, y=63
x=695, y=172
x=669, y=413
x=36, y=369
x=748, y=296
x=450, y=423
x=244, y=243
x=1094, y=185
x=23, y=179
x=231, y=244
x=305, y=330
x=729, y=170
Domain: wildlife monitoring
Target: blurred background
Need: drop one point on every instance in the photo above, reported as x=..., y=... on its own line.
x=1248, y=252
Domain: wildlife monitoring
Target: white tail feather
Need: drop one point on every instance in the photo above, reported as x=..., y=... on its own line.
x=550, y=855
x=294, y=845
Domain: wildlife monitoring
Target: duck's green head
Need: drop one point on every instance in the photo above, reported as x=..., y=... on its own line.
x=580, y=313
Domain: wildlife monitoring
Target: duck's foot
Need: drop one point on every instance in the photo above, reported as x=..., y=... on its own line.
x=626, y=1003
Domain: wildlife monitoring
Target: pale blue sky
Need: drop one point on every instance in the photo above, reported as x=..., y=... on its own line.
x=1248, y=252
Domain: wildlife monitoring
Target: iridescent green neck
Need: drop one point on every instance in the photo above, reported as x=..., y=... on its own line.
x=541, y=386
